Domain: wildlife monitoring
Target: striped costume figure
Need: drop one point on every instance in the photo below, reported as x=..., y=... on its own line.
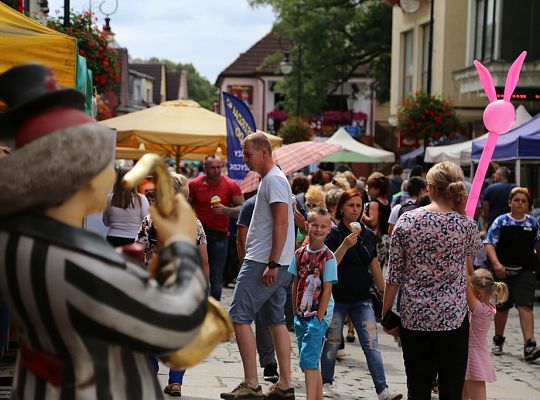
x=97, y=315
x=87, y=318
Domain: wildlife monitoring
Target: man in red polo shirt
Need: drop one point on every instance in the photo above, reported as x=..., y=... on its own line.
x=214, y=214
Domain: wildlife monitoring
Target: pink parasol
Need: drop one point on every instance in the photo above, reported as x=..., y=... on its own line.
x=293, y=157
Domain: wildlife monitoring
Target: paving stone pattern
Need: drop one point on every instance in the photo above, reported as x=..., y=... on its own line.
x=222, y=371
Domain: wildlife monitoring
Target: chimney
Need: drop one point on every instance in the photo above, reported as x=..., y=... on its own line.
x=183, y=85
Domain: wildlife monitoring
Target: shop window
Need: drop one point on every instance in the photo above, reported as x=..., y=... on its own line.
x=484, y=36
x=425, y=54
x=407, y=72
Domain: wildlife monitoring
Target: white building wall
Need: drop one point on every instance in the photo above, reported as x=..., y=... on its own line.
x=264, y=97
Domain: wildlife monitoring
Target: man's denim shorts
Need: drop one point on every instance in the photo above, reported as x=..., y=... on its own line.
x=310, y=337
x=251, y=296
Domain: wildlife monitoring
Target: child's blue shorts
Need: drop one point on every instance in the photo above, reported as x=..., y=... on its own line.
x=310, y=336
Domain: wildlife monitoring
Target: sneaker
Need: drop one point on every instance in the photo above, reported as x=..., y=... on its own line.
x=498, y=343
x=270, y=373
x=435, y=386
x=530, y=351
x=327, y=390
x=341, y=354
x=276, y=393
x=243, y=391
x=388, y=394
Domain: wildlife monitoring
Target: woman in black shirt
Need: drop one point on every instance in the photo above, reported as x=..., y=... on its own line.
x=377, y=212
x=358, y=268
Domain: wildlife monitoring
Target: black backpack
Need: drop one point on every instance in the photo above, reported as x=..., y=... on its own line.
x=408, y=206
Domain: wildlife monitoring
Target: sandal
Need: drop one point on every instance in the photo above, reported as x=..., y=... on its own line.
x=174, y=389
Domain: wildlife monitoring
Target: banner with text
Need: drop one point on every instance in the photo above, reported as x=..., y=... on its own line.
x=240, y=123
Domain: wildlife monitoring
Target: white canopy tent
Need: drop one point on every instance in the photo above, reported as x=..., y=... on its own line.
x=460, y=153
x=342, y=137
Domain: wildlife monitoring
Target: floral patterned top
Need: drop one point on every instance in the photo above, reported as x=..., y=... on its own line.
x=147, y=235
x=427, y=258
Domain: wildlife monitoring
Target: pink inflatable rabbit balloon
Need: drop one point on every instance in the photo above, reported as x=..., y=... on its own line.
x=499, y=116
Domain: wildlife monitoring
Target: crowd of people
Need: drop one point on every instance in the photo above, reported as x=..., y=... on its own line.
x=336, y=234
x=317, y=253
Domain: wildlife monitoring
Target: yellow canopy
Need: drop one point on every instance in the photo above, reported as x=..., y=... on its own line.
x=24, y=40
x=178, y=127
x=130, y=153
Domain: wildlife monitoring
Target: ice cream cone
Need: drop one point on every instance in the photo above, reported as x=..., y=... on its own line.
x=356, y=227
x=215, y=201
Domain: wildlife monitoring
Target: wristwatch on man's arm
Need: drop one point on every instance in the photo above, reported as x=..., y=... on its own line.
x=273, y=264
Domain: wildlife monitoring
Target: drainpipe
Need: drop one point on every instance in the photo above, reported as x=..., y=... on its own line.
x=263, y=103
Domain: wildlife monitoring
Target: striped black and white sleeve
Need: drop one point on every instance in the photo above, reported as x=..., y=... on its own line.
x=125, y=306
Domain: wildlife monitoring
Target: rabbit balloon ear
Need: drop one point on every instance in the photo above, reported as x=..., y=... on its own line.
x=513, y=76
x=486, y=80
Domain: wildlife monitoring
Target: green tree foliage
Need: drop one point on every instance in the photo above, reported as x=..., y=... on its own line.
x=333, y=38
x=199, y=88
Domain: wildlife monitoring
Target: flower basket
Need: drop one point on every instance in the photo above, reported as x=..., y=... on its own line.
x=295, y=130
x=94, y=46
x=427, y=118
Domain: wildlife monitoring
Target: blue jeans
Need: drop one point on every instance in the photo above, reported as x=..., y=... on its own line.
x=265, y=345
x=175, y=375
x=363, y=319
x=217, y=258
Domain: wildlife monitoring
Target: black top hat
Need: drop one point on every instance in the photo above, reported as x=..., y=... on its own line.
x=27, y=90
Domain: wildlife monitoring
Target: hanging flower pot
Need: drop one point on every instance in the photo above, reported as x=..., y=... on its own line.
x=428, y=118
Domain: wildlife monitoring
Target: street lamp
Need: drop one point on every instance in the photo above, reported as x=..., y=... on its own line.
x=107, y=27
x=287, y=67
x=66, y=13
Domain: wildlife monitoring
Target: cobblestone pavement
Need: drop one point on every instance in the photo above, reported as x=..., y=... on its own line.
x=517, y=379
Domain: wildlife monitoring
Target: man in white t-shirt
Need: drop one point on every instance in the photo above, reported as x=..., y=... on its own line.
x=262, y=282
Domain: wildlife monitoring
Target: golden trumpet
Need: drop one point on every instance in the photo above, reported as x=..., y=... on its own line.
x=217, y=326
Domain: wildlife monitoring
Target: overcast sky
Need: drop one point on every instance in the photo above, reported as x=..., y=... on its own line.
x=210, y=34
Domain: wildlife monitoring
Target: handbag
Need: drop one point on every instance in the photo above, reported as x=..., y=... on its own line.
x=376, y=300
x=391, y=320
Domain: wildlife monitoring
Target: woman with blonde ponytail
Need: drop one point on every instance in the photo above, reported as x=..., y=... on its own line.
x=428, y=249
x=480, y=290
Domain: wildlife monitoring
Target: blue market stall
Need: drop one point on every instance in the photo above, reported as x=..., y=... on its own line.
x=519, y=144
